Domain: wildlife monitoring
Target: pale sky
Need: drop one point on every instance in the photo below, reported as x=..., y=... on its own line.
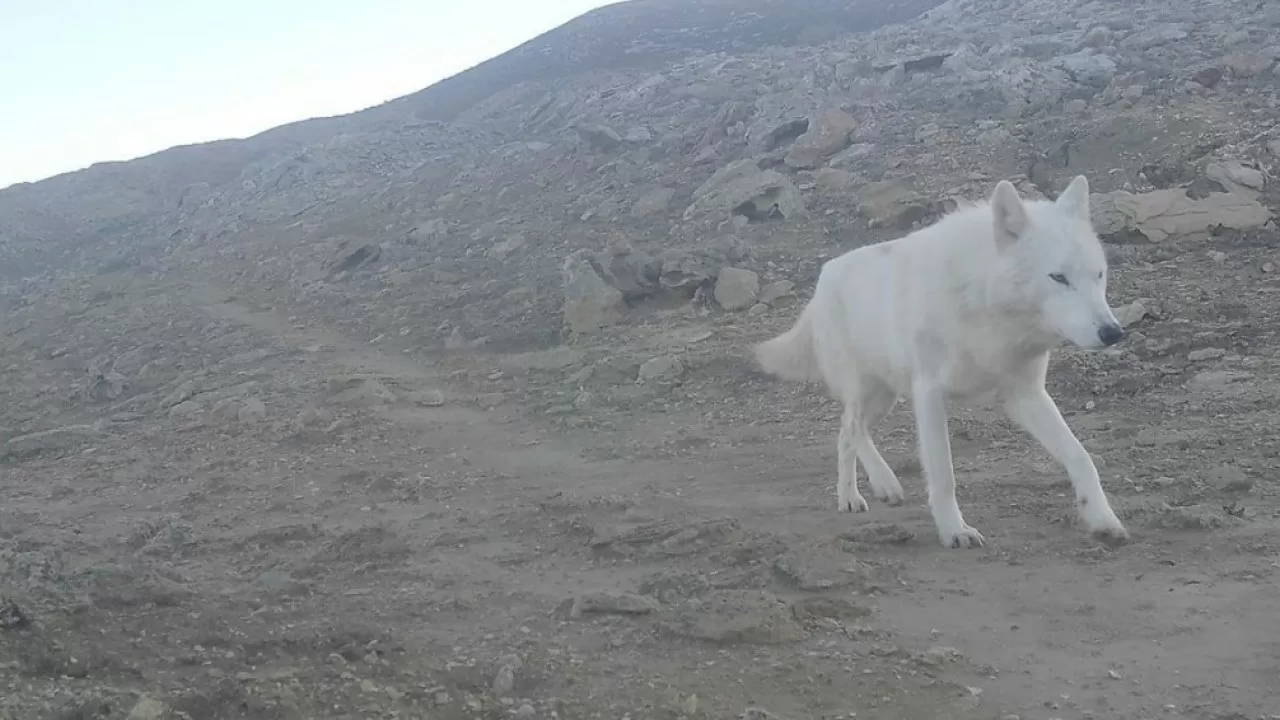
x=85, y=81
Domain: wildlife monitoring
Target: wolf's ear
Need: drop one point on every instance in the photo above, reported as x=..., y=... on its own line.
x=1008, y=212
x=1075, y=199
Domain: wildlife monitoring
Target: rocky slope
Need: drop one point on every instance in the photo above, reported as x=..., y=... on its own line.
x=445, y=408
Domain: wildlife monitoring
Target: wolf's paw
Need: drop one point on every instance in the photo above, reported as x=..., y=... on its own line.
x=890, y=494
x=853, y=504
x=1103, y=524
x=960, y=537
x=1110, y=535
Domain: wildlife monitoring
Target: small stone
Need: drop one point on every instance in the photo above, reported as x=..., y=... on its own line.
x=182, y=393
x=1208, y=77
x=736, y=288
x=149, y=709
x=185, y=409
x=777, y=293
x=757, y=310
x=612, y=603
x=1075, y=107
x=1231, y=479
x=600, y=137
x=828, y=134
x=833, y=179
x=357, y=390
x=253, y=410
x=1190, y=517
x=504, y=682
x=939, y=655
x=654, y=202
x=1247, y=65
x=1205, y=354
x=525, y=712
x=1131, y=313
x=1236, y=173
x=590, y=302
x=659, y=370
x=1088, y=68
x=63, y=438
x=1097, y=36
x=429, y=398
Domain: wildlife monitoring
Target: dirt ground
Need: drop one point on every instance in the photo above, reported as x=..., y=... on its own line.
x=272, y=520
x=293, y=428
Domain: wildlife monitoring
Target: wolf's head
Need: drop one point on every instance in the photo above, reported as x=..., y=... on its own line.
x=1059, y=268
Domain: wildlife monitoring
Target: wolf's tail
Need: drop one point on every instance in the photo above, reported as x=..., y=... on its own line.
x=791, y=355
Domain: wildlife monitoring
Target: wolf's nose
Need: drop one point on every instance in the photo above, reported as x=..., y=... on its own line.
x=1110, y=334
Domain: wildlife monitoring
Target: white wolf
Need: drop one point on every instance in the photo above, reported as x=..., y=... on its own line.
x=965, y=309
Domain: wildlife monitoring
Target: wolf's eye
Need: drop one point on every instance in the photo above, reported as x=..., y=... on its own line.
x=1059, y=278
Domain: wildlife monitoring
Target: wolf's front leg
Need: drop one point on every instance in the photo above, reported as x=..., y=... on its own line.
x=1035, y=411
x=935, y=457
x=848, y=499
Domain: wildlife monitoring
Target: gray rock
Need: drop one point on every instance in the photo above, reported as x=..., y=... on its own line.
x=590, y=303
x=252, y=410
x=355, y=390
x=348, y=259
x=1088, y=68
x=1170, y=213
x=737, y=616
x=107, y=386
x=737, y=288
x=892, y=204
x=503, y=249
x=686, y=270
x=638, y=135
x=1247, y=65
x=1190, y=517
x=185, y=409
x=1236, y=176
x=55, y=440
x=777, y=293
x=828, y=134
x=504, y=681
x=660, y=370
x=613, y=603
x=149, y=709
x=1230, y=478
x=429, y=398
x=653, y=202
x=833, y=180
x=635, y=274
x=182, y=393
x=600, y=137
x=743, y=189
x=1131, y=313
x=1205, y=354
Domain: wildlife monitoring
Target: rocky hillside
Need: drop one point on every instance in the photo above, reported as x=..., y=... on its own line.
x=445, y=408
x=719, y=123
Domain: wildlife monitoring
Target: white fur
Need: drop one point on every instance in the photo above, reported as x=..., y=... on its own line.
x=965, y=309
